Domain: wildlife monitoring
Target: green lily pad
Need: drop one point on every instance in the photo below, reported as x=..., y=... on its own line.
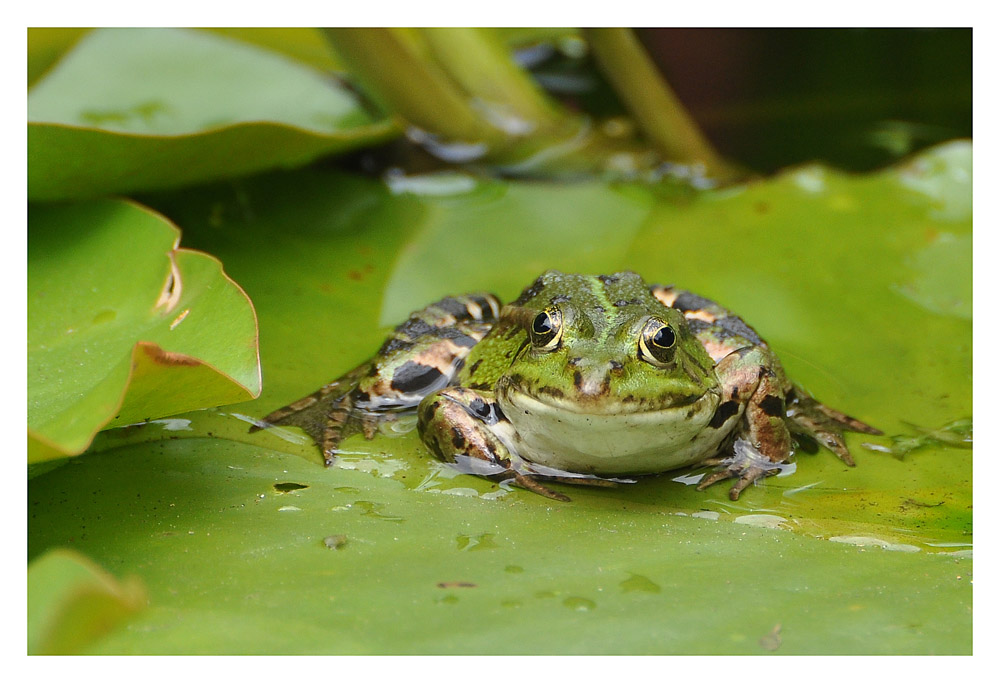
x=123, y=326
x=138, y=109
x=72, y=603
x=392, y=552
x=232, y=542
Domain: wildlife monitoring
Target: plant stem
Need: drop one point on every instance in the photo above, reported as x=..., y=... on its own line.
x=656, y=108
x=481, y=65
x=407, y=83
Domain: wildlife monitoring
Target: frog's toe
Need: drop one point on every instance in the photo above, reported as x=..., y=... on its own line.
x=747, y=465
x=835, y=442
x=718, y=475
x=530, y=484
x=744, y=475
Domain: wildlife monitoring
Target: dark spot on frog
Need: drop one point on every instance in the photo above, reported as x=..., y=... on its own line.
x=487, y=303
x=773, y=406
x=764, y=371
x=627, y=302
x=453, y=307
x=457, y=438
x=427, y=410
x=807, y=444
x=735, y=394
x=608, y=279
x=723, y=413
x=414, y=328
x=392, y=345
x=577, y=379
x=697, y=326
x=459, y=337
x=531, y=292
x=412, y=377
x=735, y=326
x=551, y=391
x=475, y=366
x=615, y=365
x=686, y=301
x=572, y=362
x=561, y=299
x=286, y=487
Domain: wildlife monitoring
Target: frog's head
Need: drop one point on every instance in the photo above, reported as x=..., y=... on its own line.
x=602, y=355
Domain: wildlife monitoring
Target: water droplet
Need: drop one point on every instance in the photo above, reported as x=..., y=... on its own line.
x=335, y=542
x=867, y=541
x=765, y=521
x=480, y=542
x=105, y=316
x=638, y=583
x=575, y=602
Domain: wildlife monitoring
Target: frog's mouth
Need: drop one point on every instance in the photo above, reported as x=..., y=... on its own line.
x=684, y=406
x=614, y=437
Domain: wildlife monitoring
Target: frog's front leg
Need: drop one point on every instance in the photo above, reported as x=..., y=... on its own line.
x=748, y=378
x=422, y=355
x=467, y=427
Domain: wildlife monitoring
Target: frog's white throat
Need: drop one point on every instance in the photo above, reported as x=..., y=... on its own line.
x=565, y=436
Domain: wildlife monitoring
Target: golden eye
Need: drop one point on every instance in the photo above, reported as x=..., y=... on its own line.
x=656, y=342
x=546, y=329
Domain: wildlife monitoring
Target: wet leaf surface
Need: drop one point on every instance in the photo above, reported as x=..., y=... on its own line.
x=830, y=559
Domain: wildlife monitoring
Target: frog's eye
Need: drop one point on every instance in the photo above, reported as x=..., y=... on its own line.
x=546, y=329
x=657, y=342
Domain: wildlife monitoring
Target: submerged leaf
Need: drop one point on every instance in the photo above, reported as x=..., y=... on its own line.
x=122, y=323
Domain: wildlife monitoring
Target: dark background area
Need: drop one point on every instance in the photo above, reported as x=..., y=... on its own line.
x=857, y=98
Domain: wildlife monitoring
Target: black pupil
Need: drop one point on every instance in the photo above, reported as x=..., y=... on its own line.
x=664, y=338
x=542, y=324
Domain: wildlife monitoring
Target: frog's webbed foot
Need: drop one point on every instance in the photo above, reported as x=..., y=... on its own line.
x=747, y=465
x=329, y=415
x=808, y=416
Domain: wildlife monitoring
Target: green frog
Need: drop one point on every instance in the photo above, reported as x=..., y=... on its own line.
x=581, y=380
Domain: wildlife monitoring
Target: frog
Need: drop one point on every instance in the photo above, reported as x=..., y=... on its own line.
x=582, y=379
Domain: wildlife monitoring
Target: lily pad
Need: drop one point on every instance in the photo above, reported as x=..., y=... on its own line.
x=123, y=326
x=73, y=603
x=138, y=109
x=393, y=552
